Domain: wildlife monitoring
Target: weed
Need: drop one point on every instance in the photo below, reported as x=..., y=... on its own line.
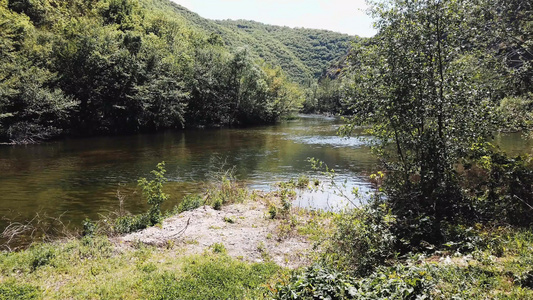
x=12, y=290
x=272, y=211
x=303, y=182
x=218, y=248
x=229, y=220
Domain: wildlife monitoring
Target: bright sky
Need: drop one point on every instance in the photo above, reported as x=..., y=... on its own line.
x=346, y=16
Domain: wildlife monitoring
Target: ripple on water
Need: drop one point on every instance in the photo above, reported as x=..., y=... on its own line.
x=334, y=141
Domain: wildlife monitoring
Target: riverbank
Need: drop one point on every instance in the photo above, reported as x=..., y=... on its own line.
x=246, y=251
x=231, y=253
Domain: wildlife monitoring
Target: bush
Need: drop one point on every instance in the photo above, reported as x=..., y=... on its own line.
x=133, y=223
x=41, y=255
x=516, y=113
x=316, y=282
x=190, y=202
x=363, y=239
x=500, y=187
x=319, y=282
x=153, y=191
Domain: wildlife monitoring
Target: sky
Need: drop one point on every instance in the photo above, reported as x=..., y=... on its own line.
x=345, y=16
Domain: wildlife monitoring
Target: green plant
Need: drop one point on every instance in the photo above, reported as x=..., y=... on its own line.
x=322, y=282
x=153, y=191
x=218, y=248
x=190, y=202
x=303, y=182
x=229, y=220
x=11, y=290
x=363, y=239
x=217, y=204
x=272, y=211
x=89, y=228
x=41, y=255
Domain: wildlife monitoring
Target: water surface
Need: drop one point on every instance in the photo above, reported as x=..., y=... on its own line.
x=79, y=178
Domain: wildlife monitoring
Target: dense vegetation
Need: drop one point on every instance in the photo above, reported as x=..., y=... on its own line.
x=449, y=216
x=431, y=91
x=113, y=66
x=494, y=43
x=302, y=53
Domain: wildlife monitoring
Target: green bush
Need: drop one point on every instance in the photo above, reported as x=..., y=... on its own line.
x=41, y=255
x=516, y=113
x=190, y=202
x=316, y=282
x=133, y=223
x=363, y=239
x=319, y=282
x=153, y=191
x=500, y=187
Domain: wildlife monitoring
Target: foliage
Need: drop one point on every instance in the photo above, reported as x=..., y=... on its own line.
x=190, y=202
x=516, y=113
x=318, y=282
x=500, y=187
x=89, y=227
x=153, y=191
x=224, y=190
x=363, y=240
x=427, y=98
x=121, y=66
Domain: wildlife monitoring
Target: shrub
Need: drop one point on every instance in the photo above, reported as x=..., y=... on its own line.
x=316, y=282
x=41, y=255
x=89, y=227
x=190, y=202
x=319, y=282
x=153, y=191
x=363, y=239
x=500, y=187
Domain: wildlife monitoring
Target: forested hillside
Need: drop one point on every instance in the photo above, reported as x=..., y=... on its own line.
x=114, y=66
x=302, y=53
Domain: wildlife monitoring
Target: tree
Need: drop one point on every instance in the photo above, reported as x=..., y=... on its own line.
x=426, y=94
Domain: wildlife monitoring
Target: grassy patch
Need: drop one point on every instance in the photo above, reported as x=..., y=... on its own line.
x=93, y=268
x=212, y=277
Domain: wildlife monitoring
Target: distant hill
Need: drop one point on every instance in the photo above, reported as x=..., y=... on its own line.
x=302, y=53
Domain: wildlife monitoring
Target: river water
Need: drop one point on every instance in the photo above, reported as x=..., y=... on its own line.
x=79, y=178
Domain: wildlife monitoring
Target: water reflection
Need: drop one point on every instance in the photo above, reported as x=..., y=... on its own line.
x=79, y=178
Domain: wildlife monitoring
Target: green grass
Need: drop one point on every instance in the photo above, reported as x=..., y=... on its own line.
x=94, y=268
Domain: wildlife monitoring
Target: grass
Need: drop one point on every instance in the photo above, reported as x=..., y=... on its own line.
x=94, y=268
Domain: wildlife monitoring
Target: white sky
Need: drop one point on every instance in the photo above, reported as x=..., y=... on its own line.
x=345, y=16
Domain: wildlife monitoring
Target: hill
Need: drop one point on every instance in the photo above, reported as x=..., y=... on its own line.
x=302, y=53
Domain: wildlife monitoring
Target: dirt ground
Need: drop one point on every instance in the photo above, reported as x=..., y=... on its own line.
x=252, y=236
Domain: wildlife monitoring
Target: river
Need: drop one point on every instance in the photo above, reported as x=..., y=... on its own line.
x=79, y=178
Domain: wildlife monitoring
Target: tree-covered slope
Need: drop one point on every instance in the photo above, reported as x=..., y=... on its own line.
x=85, y=67
x=302, y=53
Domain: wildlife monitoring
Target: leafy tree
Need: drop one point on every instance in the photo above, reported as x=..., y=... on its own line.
x=423, y=93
